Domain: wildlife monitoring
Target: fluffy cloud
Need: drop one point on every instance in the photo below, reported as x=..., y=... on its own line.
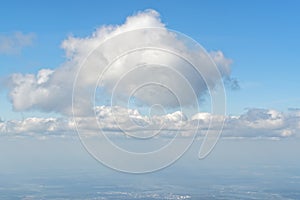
x=264, y=123
x=37, y=126
x=51, y=90
x=14, y=43
x=255, y=123
x=132, y=75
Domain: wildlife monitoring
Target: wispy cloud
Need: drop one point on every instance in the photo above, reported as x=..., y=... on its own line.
x=15, y=42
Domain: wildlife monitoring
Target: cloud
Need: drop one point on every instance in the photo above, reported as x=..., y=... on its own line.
x=51, y=90
x=37, y=126
x=264, y=123
x=255, y=123
x=29, y=91
x=14, y=43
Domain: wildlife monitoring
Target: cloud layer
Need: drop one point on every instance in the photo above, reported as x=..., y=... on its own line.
x=255, y=123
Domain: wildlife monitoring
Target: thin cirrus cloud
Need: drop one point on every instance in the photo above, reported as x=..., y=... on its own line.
x=255, y=123
x=51, y=90
x=14, y=43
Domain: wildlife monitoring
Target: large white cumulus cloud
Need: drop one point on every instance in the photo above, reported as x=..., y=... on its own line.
x=51, y=90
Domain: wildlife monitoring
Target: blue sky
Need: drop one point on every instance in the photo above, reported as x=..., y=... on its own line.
x=257, y=41
x=262, y=39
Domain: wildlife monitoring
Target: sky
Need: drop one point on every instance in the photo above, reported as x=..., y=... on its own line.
x=90, y=89
x=254, y=45
x=261, y=38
